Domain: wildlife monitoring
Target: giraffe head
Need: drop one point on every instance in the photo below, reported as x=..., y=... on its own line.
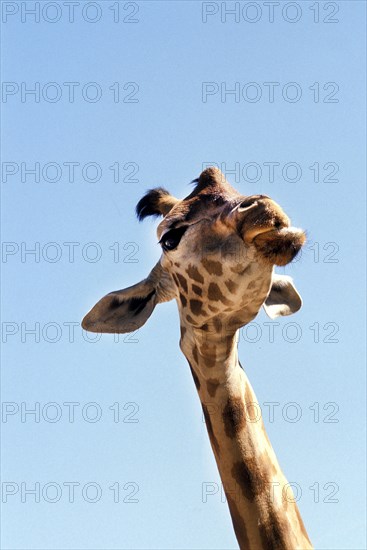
x=219, y=249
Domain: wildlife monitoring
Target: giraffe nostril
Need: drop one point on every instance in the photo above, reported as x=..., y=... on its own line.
x=251, y=201
x=248, y=203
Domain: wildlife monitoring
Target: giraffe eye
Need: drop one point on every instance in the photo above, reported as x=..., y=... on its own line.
x=171, y=239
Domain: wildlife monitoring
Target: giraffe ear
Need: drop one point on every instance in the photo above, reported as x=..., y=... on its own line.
x=156, y=202
x=128, y=309
x=283, y=298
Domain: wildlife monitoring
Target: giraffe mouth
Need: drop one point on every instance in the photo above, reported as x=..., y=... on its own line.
x=274, y=228
x=260, y=215
x=279, y=246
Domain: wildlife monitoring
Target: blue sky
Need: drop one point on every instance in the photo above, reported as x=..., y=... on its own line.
x=137, y=420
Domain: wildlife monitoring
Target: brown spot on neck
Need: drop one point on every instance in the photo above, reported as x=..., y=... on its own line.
x=212, y=386
x=231, y=285
x=275, y=532
x=215, y=293
x=194, y=274
x=212, y=267
x=197, y=290
x=234, y=416
x=250, y=477
x=182, y=282
x=196, y=307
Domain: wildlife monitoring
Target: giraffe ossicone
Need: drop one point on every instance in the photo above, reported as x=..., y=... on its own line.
x=219, y=249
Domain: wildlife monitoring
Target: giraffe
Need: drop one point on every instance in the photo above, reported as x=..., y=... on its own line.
x=219, y=249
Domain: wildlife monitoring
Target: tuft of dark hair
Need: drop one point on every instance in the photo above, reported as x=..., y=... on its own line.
x=149, y=204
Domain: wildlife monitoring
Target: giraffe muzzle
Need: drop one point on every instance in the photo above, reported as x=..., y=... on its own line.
x=259, y=214
x=280, y=246
x=263, y=223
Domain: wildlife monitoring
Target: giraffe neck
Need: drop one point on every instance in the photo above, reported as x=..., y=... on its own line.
x=261, y=504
